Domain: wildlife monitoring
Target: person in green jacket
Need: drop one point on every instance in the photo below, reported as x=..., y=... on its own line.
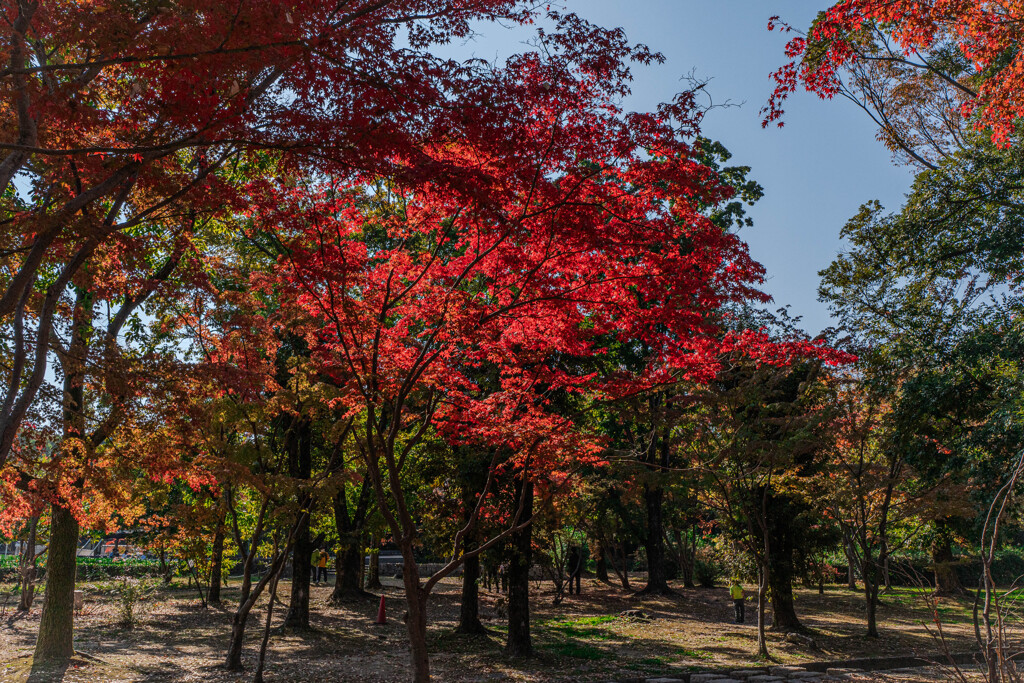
x=736, y=593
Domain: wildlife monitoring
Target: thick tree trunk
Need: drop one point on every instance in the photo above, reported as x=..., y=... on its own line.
x=302, y=562
x=519, y=643
x=300, y=465
x=781, y=591
x=654, y=543
x=216, y=567
x=28, y=568
x=947, y=581
x=349, y=562
x=348, y=570
x=782, y=511
x=234, y=659
x=55, y=642
x=469, y=611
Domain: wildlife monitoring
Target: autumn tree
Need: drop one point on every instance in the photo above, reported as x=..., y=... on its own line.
x=596, y=216
x=754, y=435
x=952, y=57
x=119, y=116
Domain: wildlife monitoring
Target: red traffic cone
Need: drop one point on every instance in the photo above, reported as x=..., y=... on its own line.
x=381, y=619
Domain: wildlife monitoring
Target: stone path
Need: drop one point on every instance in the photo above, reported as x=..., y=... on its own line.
x=787, y=674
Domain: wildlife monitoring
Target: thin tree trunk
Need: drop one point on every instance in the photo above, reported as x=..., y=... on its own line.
x=469, y=611
x=622, y=573
x=416, y=621
x=258, y=676
x=688, y=555
x=602, y=563
x=762, y=588
x=28, y=568
x=869, y=575
x=241, y=616
x=55, y=642
x=871, y=595
x=519, y=643
x=216, y=566
x=373, y=573
x=851, y=563
x=886, y=577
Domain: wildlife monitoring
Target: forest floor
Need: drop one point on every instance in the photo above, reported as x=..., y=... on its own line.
x=583, y=639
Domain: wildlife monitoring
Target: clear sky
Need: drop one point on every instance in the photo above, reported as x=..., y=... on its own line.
x=816, y=171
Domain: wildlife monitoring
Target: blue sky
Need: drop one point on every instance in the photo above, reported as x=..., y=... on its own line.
x=816, y=171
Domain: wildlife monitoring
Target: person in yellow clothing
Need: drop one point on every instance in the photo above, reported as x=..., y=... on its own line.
x=736, y=593
x=321, y=567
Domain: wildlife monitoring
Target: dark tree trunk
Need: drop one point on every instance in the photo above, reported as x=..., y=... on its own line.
x=947, y=581
x=689, y=559
x=851, y=565
x=519, y=643
x=373, y=571
x=620, y=564
x=349, y=563
x=654, y=543
x=654, y=497
x=870, y=577
x=469, y=612
x=781, y=591
x=55, y=642
x=216, y=567
x=28, y=568
x=782, y=512
x=300, y=465
x=416, y=622
x=348, y=572
x=251, y=593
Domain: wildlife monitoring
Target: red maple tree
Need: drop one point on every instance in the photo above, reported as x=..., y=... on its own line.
x=584, y=227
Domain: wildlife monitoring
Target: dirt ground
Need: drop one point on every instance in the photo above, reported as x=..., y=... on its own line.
x=583, y=639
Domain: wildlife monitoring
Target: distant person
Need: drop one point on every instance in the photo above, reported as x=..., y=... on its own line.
x=321, y=566
x=575, y=568
x=736, y=593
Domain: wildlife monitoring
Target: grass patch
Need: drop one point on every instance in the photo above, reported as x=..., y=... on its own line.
x=577, y=650
x=586, y=627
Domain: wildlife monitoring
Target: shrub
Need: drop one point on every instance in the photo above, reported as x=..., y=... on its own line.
x=130, y=596
x=707, y=570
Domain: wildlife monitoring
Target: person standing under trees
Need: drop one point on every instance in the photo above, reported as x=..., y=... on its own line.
x=575, y=566
x=736, y=593
x=321, y=567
